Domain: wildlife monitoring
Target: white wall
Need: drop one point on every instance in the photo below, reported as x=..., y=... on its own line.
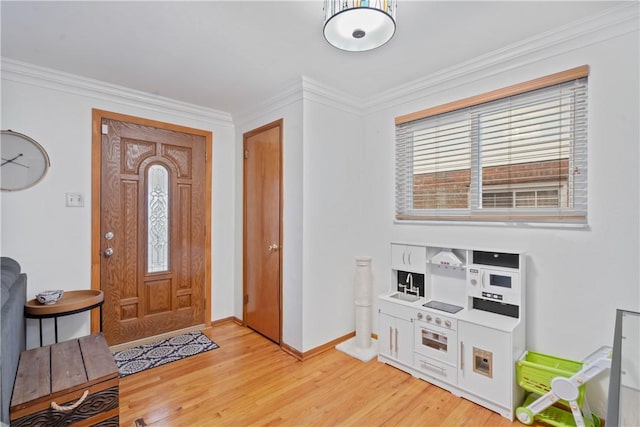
x=576, y=278
x=52, y=242
x=331, y=220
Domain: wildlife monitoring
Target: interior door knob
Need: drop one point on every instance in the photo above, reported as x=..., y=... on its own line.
x=273, y=247
x=108, y=252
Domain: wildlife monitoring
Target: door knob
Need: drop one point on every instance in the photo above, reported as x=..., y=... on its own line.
x=108, y=252
x=273, y=247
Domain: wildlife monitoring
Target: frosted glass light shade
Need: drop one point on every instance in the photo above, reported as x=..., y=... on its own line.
x=359, y=25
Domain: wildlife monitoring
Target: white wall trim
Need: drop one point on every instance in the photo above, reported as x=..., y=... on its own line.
x=287, y=96
x=308, y=89
x=323, y=94
x=611, y=23
x=30, y=74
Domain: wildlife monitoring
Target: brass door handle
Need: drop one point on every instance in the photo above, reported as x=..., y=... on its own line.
x=274, y=247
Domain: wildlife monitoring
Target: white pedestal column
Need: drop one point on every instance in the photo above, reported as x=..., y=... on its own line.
x=362, y=346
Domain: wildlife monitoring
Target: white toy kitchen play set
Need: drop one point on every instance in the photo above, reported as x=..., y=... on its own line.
x=455, y=318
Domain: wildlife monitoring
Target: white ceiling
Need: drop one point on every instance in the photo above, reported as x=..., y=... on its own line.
x=230, y=55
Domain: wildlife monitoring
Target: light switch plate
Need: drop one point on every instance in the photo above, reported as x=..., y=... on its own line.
x=74, y=200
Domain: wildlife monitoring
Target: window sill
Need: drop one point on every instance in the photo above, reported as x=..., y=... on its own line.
x=502, y=223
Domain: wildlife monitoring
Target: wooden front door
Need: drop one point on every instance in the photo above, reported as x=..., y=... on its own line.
x=153, y=242
x=262, y=229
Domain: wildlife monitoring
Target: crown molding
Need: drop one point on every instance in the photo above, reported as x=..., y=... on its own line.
x=323, y=94
x=611, y=23
x=285, y=97
x=22, y=72
x=304, y=89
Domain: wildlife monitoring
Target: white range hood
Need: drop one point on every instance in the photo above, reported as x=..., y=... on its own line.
x=446, y=257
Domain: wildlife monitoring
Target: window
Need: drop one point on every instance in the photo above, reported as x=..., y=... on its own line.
x=157, y=219
x=514, y=196
x=518, y=153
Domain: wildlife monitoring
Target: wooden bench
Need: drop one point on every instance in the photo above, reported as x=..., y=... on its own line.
x=71, y=382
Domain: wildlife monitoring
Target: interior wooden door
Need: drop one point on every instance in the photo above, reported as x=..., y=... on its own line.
x=262, y=229
x=153, y=238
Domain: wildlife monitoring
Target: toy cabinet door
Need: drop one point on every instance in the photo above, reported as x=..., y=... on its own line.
x=409, y=258
x=486, y=368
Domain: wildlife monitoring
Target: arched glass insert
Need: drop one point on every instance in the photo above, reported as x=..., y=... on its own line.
x=157, y=219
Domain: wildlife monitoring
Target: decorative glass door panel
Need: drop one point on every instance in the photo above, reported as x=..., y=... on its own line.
x=157, y=219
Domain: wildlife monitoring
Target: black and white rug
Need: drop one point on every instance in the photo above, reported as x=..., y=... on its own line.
x=147, y=356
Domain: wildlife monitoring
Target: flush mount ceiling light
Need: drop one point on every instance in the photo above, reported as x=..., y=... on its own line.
x=359, y=25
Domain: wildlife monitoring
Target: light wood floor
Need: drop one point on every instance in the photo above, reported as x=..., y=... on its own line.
x=250, y=381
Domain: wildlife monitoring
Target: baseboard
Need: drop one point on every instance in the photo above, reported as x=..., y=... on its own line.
x=226, y=320
x=293, y=351
x=320, y=349
x=327, y=346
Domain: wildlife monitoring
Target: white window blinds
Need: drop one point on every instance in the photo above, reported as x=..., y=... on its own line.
x=521, y=157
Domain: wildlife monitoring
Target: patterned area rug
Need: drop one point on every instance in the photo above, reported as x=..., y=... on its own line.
x=147, y=356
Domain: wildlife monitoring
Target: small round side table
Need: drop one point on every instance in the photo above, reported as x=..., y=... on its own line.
x=72, y=302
